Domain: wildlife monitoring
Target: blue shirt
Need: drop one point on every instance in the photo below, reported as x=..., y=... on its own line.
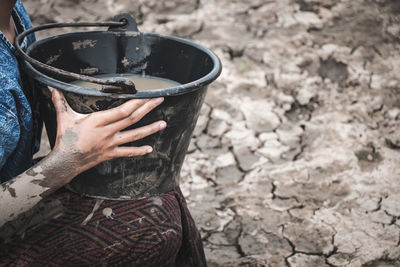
x=19, y=120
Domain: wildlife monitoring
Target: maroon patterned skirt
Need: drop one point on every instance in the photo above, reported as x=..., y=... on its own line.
x=157, y=231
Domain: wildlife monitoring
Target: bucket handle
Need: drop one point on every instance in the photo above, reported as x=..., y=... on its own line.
x=122, y=22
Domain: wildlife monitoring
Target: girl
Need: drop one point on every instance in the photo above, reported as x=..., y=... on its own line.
x=148, y=232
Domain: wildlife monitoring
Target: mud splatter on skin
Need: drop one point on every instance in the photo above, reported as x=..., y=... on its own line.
x=31, y=173
x=62, y=167
x=34, y=171
x=12, y=191
x=69, y=138
x=5, y=186
x=84, y=159
x=21, y=193
x=52, y=181
x=64, y=107
x=56, y=170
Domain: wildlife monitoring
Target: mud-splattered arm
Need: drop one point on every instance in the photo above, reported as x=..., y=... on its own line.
x=82, y=142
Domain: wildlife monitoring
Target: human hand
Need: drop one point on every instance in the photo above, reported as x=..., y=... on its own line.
x=85, y=140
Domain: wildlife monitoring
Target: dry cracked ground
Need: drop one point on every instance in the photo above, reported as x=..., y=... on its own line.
x=295, y=158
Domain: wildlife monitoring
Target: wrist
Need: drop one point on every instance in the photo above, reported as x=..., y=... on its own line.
x=59, y=168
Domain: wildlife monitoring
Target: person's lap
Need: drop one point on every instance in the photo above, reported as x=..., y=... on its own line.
x=147, y=232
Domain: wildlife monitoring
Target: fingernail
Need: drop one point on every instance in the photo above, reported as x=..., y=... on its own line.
x=159, y=99
x=162, y=125
x=149, y=150
x=51, y=89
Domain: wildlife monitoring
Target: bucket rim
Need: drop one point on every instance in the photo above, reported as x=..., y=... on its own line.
x=176, y=90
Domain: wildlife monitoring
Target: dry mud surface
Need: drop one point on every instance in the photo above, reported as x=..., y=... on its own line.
x=295, y=158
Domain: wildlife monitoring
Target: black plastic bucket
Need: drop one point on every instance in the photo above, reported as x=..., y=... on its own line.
x=126, y=50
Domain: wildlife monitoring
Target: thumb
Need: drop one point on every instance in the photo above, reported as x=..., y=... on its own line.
x=59, y=101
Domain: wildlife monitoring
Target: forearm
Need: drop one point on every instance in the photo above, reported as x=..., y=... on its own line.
x=24, y=191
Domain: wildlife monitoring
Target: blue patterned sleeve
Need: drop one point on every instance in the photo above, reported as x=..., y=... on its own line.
x=19, y=130
x=9, y=123
x=23, y=15
x=9, y=134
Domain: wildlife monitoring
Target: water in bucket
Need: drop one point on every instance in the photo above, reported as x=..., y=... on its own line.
x=142, y=82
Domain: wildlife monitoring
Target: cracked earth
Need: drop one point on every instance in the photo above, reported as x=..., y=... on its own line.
x=295, y=157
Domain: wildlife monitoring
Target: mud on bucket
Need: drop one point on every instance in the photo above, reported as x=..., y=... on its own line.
x=123, y=49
